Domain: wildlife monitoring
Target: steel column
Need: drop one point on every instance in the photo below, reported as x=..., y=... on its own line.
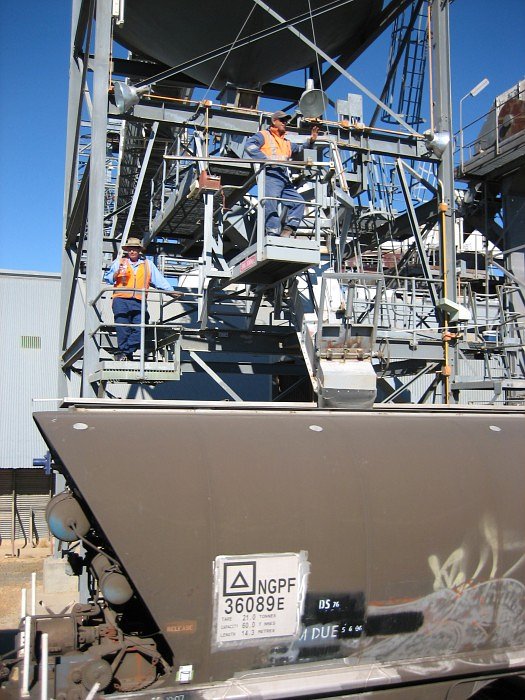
x=442, y=122
x=68, y=265
x=97, y=173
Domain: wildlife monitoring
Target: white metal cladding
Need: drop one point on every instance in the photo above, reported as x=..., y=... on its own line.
x=24, y=494
x=29, y=342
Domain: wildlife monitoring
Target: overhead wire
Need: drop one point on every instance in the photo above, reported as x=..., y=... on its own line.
x=315, y=42
x=232, y=46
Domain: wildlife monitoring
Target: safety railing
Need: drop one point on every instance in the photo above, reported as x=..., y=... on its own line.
x=158, y=339
x=406, y=311
x=309, y=228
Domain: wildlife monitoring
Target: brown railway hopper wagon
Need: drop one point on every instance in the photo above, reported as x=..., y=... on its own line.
x=274, y=553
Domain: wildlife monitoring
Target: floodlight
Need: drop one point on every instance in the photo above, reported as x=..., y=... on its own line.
x=437, y=141
x=312, y=102
x=127, y=96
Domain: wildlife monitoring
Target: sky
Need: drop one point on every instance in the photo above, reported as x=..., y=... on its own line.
x=486, y=42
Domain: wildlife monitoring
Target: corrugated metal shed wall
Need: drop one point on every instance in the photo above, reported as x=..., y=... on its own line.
x=24, y=494
x=29, y=332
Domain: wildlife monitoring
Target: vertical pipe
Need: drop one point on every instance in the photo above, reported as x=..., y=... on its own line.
x=33, y=593
x=142, y=332
x=486, y=251
x=446, y=334
x=163, y=182
x=461, y=143
x=476, y=256
x=31, y=527
x=377, y=304
x=317, y=226
x=13, y=515
x=177, y=165
x=44, y=655
x=208, y=233
x=261, y=219
x=414, y=320
x=430, y=72
x=496, y=130
x=27, y=658
x=443, y=123
x=151, y=197
x=23, y=603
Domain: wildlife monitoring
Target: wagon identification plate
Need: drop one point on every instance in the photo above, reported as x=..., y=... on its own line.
x=258, y=596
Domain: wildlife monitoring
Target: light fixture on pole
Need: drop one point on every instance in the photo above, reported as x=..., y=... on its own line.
x=472, y=93
x=312, y=102
x=127, y=96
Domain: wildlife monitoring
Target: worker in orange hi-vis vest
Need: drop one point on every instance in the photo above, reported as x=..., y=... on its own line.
x=132, y=275
x=272, y=144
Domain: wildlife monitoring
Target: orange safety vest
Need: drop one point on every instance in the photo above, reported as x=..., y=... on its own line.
x=276, y=147
x=131, y=279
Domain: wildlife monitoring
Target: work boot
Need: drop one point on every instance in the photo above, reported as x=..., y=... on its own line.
x=287, y=232
x=120, y=357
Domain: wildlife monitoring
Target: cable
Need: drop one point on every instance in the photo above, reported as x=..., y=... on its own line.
x=92, y=546
x=229, y=51
x=315, y=42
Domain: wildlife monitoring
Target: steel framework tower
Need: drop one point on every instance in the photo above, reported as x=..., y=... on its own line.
x=151, y=156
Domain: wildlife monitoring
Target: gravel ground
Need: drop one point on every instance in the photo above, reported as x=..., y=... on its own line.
x=15, y=574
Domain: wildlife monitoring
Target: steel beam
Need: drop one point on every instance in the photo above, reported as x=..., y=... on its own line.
x=411, y=214
x=85, y=15
x=367, y=141
x=138, y=186
x=77, y=220
x=198, y=360
x=426, y=370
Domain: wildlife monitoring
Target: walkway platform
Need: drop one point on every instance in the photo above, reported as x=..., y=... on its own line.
x=130, y=371
x=278, y=259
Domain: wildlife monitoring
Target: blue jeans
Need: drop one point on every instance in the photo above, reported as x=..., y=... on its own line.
x=128, y=311
x=278, y=185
